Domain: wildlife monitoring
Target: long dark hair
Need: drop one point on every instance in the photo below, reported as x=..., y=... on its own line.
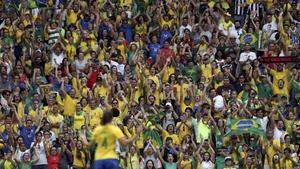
x=148, y=162
x=107, y=117
x=79, y=155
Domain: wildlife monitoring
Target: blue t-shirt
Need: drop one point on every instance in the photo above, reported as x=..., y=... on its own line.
x=28, y=134
x=153, y=50
x=164, y=35
x=103, y=27
x=128, y=32
x=85, y=24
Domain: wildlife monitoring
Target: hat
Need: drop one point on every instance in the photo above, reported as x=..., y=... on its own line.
x=227, y=14
x=187, y=98
x=6, y=149
x=27, y=13
x=149, y=61
x=169, y=104
x=222, y=37
x=227, y=158
x=227, y=66
x=72, y=26
x=105, y=64
x=5, y=91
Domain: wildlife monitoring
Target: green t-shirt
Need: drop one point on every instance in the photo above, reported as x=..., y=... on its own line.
x=220, y=162
x=25, y=165
x=264, y=91
x=190, y=72
x=219, y=140
x=170, y=165
x=296, y=88
x=8, y=41
x=32, y=4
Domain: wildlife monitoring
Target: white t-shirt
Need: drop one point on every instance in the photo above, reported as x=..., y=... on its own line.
x=182, y=28
x=80, y=64
x=120, y=67
x=218, y=102
x=269, y=27
x=41, y=153
x=278, y=133
x=247, y=56
x=19, y=154
x=237, y=34
x=207, y=165
x=263, y=122
x=57, y=59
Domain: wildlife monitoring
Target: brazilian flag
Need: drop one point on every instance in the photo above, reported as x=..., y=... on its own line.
x=251, y=38
x=241, y=126
x=151, y=132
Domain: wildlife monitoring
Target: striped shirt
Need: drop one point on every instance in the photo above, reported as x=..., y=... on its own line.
x=238, y=9
x=256, y=10
x=53, y=35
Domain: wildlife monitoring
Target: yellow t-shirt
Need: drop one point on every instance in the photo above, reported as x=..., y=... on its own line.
x=206, y=71
x=288, y=124
x=106, y=137
x=202, y=48
x=20, y=110
x=8, y=165
x=140, y=142
x=287, y=164
x=123, y=111
x=175, y=138
x=140, y=29
x=19, y=34
x=270, y=150
x=126, y=3
x=48, y=67
x=154, y=79
x=72, y=18
x=32, y=113
x=69, y=106
x=164, y=22
x=122, y=49
x=10, y=30
x=283, y=91
x=75, y=36
x=84, y=91
x=101, y=54
x=169, y=70
x=79, y=162
x=279, y=75
x=79, y=120
x=183, y=106
x=176, y=90
x=137, y=94
x=186, y=164
x=55, y=119
x=26, y=23
x=95, y=116
x=185, y=87
x=133, y=161
x=183, y=130
x=71, y=51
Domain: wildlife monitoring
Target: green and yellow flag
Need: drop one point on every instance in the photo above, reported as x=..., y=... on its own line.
x=239, y=127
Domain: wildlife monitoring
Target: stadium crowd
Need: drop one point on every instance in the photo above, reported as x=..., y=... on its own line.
x=149, y=84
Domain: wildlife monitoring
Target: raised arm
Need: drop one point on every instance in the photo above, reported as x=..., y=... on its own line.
x=124, y=141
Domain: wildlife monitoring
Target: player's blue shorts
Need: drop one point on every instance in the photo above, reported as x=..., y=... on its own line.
x=106, y=164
